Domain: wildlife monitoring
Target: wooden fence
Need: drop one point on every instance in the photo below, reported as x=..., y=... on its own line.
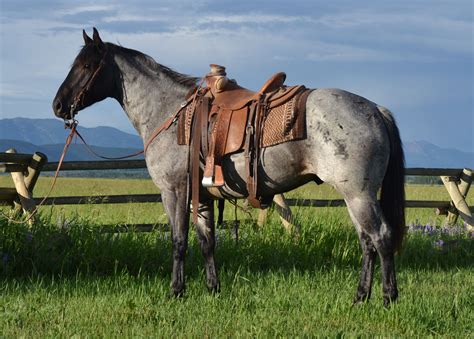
x=137, y=164
x=456, y=181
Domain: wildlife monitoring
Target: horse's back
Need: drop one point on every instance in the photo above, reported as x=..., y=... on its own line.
x=348, y=137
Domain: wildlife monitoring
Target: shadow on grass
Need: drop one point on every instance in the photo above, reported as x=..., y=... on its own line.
x=81, y=248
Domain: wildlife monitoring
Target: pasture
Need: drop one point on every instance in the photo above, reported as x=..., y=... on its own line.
x=67, y=278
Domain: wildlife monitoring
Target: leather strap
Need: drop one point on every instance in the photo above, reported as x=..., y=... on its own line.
x=72, y=125
x=202, y=114
x=195, y=149
x=250, y=156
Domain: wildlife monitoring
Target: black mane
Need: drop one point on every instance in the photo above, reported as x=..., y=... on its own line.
x=141, y=60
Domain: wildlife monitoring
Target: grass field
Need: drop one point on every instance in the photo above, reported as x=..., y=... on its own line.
x=65, y=280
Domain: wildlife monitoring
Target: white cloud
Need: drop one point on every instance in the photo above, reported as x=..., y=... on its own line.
x=85, y=9
x=129, y=18
x=38, y=45
x=252, y=19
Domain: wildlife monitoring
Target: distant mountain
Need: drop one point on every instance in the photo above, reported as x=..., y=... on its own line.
x=51, y=131
x=76, y=152
x=48, y=136
x=425, y=154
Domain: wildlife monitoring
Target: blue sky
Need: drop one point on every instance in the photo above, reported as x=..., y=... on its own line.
x=414, y=57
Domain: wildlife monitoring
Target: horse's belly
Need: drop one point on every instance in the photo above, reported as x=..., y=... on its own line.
x=283, y=167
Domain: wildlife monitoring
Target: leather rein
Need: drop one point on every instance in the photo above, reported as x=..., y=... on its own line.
x=78, y=99
x=72, y=125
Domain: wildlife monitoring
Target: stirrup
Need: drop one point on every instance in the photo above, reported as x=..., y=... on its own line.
x=207, y=182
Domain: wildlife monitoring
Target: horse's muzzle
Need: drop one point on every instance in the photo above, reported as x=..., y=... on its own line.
x=63, y=111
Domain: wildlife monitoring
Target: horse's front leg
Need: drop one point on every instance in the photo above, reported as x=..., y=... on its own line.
x=176, y=206
x=206, y=233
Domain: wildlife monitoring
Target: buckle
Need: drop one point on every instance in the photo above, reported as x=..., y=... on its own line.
x=70, y=123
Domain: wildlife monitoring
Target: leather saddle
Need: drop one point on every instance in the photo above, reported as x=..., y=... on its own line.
x=225, y=118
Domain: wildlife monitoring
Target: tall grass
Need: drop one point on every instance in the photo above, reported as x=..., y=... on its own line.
x=69, y=278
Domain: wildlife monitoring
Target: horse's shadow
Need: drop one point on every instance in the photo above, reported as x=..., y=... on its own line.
x=257, y=251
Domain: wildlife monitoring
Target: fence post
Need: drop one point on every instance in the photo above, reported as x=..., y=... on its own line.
x=34, y=170
x=458, y=189
x=26, y=199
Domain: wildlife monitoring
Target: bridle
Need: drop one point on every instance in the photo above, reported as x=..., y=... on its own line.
x=72, y=123
x=79, y=98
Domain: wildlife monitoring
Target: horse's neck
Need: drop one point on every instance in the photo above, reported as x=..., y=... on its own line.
x=147, y=98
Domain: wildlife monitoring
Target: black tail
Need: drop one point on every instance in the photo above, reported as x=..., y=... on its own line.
x=393, y=187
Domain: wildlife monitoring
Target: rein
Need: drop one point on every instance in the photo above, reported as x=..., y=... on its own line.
x=71, y=125
x=164, y=126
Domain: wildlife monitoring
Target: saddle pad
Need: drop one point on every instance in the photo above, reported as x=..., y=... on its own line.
x=283, y=123
x=286, y=122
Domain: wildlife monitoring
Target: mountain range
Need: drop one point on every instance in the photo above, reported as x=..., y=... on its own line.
x=48, y=136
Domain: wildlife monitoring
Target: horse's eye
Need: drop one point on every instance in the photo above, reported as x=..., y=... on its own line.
x=86, y=66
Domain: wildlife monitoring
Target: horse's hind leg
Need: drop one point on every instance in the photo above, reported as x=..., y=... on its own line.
x=374, y=232
x=369, y=254
x=206, y=234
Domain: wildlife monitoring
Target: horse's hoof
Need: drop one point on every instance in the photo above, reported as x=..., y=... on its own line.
x=388, y=301
x=214, y=288
x=177, y=292
x=176, y=295
x=359, y=300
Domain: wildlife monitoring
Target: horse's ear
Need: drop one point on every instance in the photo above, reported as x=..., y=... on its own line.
x=96, y=38
x=87, y=40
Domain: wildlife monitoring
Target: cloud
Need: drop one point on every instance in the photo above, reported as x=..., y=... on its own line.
x=354, y=44
x=13, y=91
x=419, y=27
x=252, y=19
x=129, y=18
x=85, y=9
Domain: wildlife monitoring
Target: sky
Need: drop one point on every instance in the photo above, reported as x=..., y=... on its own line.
x=414, y=57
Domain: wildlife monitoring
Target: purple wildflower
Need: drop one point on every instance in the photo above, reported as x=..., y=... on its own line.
x=439, y=244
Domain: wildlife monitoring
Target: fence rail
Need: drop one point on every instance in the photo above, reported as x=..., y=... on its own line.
x=153, y=198
x=137, y=164
x=455, y=180
x=150, y=198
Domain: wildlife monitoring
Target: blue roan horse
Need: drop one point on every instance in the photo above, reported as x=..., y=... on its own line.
x=352, y=144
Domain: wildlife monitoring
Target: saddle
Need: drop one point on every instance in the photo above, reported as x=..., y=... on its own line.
x=225, y=118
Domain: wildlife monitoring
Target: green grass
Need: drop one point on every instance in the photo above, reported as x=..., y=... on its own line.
x=154, y=213
x=74, y=280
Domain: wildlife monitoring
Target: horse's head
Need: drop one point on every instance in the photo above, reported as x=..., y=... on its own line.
x=90, y=79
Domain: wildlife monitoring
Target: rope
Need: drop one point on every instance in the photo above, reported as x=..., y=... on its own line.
x=71, y=125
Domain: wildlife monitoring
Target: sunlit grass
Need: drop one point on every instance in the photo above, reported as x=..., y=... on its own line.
x=77, y=281
x=67, y=279
x=154, y=213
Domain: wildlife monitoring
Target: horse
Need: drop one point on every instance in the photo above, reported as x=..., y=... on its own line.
x=351, y=143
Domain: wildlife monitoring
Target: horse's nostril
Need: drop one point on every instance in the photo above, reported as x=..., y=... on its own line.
x=57, y=106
